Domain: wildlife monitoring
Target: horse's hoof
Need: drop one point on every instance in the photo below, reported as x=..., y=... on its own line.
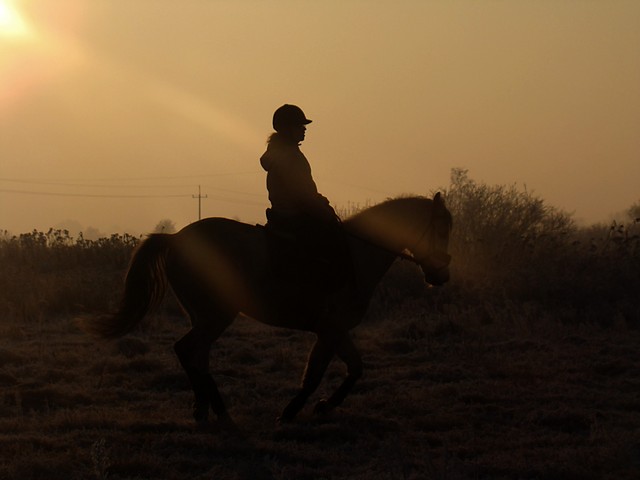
x=289, y=413
x=201, y=420
x=201, y=413
x=204, y=427
x=222, y=424
x=285, y=419
x=321, y=408
x=226, y=423
x=282, y=421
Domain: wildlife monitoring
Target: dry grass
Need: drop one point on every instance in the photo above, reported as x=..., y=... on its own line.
x=444, y=397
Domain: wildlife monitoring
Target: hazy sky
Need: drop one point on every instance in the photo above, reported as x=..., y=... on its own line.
x=114, y=111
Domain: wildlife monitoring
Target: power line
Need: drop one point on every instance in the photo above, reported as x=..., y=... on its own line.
x=94, y=195
x=90, y=195
x=54, y=181
x=91, y=185
x=234, y=191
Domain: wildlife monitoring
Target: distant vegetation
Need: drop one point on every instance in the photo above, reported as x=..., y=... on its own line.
x=51, y=273
x=509, y=248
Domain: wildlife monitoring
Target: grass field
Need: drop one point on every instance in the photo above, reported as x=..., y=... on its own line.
x=443, y=397
x=525, y=366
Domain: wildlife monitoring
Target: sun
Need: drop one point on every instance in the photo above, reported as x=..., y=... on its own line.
x=12, y=23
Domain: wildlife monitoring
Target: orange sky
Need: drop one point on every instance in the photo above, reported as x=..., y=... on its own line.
x=113, y=112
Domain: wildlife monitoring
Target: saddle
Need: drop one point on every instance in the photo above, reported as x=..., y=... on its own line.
x=306, y=252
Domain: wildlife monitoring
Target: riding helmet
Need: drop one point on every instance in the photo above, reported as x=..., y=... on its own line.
x=288, y=116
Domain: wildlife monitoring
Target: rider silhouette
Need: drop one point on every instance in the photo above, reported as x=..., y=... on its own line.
x=298, y=210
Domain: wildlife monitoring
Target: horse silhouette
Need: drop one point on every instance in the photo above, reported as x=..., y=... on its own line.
x=219, y=268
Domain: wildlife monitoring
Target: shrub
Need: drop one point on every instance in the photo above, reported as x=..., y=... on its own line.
x=509, y=246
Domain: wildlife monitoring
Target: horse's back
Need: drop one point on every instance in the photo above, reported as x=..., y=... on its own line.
x=219, y=227
x=219, y=260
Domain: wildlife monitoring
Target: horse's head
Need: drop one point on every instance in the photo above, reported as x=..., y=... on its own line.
x=431, y=252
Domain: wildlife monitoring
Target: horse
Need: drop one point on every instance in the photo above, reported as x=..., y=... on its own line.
x=219, y=268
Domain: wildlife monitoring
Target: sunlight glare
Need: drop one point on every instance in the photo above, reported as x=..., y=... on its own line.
x=12, y=23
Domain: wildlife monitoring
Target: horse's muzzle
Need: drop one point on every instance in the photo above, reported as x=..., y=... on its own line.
x=436, y=272
x=437, y=278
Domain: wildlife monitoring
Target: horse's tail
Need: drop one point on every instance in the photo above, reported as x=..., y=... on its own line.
x=144, y=288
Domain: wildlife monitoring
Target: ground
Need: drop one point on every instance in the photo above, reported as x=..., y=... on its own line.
x=447, y=394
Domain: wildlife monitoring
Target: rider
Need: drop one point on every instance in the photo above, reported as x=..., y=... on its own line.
x=297, y=208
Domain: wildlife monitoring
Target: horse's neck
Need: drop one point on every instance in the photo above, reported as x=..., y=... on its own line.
x=391, y=225
x=370, y=263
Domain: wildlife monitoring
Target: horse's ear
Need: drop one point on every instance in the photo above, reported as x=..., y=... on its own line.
x=438, y=200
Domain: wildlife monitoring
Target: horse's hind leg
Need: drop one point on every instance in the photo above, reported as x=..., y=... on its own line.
x=319, y=358
x=193, y=352
x=349, y=354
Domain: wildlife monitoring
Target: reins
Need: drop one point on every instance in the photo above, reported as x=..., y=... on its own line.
x=400, y=255
x=408, y=258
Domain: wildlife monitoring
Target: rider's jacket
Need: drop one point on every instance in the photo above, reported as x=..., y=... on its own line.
x=292, y=191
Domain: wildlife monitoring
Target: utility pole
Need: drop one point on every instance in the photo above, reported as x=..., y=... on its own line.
x=199, y=197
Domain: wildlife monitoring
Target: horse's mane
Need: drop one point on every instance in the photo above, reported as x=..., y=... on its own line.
x=403, y=205
x=391, y=222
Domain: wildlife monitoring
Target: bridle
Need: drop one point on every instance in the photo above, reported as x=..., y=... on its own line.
x=415, y=248
x=419, y=242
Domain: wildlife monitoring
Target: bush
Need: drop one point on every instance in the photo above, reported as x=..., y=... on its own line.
x=509, y=246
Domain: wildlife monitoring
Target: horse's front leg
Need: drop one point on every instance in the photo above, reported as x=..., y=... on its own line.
x=319, y=358
x=349, y=354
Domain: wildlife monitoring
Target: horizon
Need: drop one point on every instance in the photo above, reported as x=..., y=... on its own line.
x=74, y=228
